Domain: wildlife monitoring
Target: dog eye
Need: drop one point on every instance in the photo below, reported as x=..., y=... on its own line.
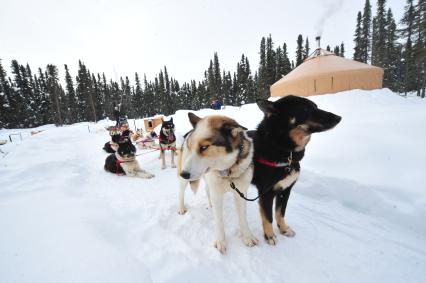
x=203, y=147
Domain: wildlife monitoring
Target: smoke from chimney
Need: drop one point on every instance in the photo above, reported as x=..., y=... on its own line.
x=330, y=9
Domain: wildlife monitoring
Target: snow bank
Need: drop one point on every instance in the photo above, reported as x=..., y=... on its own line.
x=358, y=208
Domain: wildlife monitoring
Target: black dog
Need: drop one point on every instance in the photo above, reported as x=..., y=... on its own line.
x=123, y=162
x=279, y=146
x=167, y=141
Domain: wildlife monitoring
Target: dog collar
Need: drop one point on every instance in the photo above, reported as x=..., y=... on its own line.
x=276, y=164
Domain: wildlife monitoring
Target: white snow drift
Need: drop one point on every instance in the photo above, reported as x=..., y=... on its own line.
x=359, y=207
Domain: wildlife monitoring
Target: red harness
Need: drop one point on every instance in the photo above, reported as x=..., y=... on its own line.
x=276, y=164
x=117, y=166
x=171, y=138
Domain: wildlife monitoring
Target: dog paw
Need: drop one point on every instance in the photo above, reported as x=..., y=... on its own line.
x=220, y=246
x=250, y=240
x=271, y=239
x=148, y=176
x=182, y=210
x=287, y=231
x=163, y=167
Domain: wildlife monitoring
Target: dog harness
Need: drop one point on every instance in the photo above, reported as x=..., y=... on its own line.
x=170, y=139
x=286, y=165
x=117, y=167
x=277, y=164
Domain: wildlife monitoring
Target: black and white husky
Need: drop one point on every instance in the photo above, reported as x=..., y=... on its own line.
x=218, y=149
x=112, y=145
x=167, y=140
x=123, y=162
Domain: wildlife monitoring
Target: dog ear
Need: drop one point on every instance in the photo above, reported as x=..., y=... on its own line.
x=234, y=128
x=171, y=120
x=266, y=106
x=242, y=127
x=194, y=119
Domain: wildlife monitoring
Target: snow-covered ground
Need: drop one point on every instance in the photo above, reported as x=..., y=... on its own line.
x=359, y=207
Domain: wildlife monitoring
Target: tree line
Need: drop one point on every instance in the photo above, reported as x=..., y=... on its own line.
x=30, y=99
x=399, y=49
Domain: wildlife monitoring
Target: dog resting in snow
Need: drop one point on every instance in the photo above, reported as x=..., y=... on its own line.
x=279, y=146
x=147, y=141
x=218, y=149
x=112, y=146
x=123, y=161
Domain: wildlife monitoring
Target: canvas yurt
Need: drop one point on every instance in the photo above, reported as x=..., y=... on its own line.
x=324, y=72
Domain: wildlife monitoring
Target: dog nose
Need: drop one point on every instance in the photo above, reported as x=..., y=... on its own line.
x=338, y=119
x=185, y=175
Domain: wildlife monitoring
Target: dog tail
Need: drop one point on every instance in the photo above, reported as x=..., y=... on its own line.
x=194, y=186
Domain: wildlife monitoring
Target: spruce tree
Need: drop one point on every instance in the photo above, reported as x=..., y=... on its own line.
x=5, y=94
x=299, y=50
x=217, y=77
x=91, y=98
x=148, y=97
x=287, y=64
x=17, y=101
x=342, y=49
x=392, y=54
x=279, y=64
x=194, y=96
x=138, y=102
x=358, y=39
x=227, y=88
x=366, y=32
x=419, y=47
x=127, y=97
x=82, y=93
x=160, y=94
x=53, y=89
x=270, y=63
x=307, y=49
x=336, y=50
x=211, y=82
x=46, y=105
x=243, y=82
x=97, y=97
x=71, y=97
x=262, y=79
x=106, y=89
x=379, y=35
x=63, y=105
x=38, y=98
x=31, y=99
x=407, y=33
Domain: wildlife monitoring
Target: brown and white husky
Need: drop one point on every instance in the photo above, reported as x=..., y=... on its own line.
x=219, y=150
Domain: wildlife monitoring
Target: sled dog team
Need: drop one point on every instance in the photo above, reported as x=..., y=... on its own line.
x=230, y=158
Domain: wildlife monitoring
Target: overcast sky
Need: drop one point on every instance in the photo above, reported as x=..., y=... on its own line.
x=123, y=37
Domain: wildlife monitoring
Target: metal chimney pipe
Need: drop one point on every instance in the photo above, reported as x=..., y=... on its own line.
x=318, y=39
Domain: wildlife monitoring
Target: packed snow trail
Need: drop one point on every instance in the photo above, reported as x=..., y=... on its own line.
x=358, y=208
